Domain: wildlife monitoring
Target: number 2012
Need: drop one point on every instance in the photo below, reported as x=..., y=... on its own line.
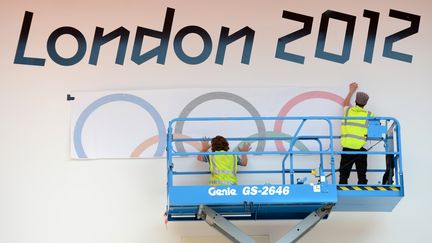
x=346, y=51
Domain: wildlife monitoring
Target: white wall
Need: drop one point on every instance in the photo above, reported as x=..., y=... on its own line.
x=47, y=197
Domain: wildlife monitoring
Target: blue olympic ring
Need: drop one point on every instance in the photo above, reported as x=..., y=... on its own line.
x=112, y=98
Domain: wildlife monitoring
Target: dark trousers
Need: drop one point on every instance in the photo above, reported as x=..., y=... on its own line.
x=347, y=162
x=388, y=175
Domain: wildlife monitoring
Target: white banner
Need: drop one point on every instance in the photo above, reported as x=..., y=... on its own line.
x=133, y=124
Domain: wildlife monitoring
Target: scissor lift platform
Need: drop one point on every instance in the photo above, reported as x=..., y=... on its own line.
x=251, y=201
x=291, y=199
x=299, y=202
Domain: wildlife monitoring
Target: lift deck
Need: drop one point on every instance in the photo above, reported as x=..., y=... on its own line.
x=292, y=198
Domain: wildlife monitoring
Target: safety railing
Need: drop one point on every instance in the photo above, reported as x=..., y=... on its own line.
x=385, y=130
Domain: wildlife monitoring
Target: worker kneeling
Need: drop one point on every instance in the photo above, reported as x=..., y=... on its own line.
x=223, y=167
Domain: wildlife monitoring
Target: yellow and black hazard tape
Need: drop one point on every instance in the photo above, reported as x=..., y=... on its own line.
x=368, y=188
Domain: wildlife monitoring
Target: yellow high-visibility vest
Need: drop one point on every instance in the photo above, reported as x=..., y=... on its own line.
x=223, y=169
x=354, y=132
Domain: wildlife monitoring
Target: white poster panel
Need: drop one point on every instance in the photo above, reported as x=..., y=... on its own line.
x=133, y=124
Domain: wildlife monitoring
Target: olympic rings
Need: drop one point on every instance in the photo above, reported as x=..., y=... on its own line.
x=178, y=129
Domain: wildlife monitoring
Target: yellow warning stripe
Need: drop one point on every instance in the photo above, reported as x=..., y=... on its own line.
x=368, y=188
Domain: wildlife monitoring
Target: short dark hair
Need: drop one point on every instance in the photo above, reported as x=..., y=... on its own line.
x=357, y=104
x=219, y=143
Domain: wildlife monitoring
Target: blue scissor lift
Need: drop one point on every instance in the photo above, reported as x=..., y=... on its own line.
x=292, y=197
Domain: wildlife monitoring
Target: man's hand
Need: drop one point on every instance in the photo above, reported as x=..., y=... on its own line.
x=205, y=145
x=244, y=158
x=353, y=87
x=245, y=148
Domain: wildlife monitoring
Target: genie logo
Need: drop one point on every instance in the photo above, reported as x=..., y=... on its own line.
x=213, y=191
x=226, y=38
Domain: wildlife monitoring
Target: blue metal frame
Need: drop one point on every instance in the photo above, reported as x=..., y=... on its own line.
x=302, y=198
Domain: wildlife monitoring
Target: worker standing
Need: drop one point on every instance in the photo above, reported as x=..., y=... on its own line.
x=223, y=167
x=353, y=136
